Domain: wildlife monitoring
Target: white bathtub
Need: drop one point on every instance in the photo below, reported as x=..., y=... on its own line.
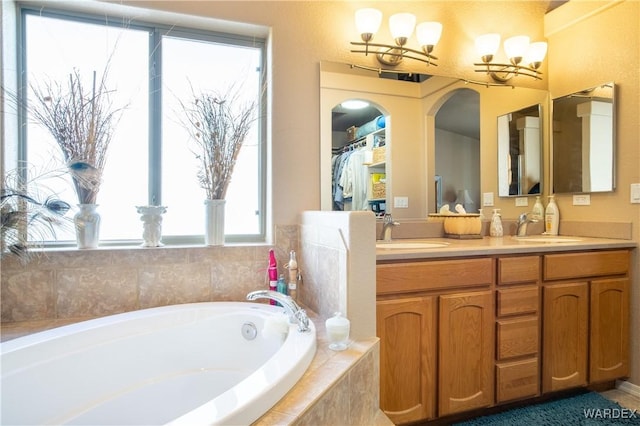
x=182, y=364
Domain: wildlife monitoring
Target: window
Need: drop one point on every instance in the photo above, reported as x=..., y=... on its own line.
x=150, y=71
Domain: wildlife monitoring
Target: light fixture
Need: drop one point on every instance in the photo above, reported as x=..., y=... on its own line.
x=401, y=26
x=354, y=104
x=518, y=49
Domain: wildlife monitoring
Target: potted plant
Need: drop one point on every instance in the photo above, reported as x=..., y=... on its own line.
x=81, y=119
x=218, y=124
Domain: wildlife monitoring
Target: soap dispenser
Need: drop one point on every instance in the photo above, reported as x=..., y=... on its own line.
x=495, y=230
x=551, y=217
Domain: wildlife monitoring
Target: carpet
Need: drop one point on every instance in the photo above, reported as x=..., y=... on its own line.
x=585, y=409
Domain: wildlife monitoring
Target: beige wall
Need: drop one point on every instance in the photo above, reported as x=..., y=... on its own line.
x=592, y=43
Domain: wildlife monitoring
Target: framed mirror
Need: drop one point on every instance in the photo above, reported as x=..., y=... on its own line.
x=520, y=166
x=584, y=141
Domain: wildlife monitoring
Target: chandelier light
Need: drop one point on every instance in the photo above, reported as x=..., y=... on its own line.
x=518, y=49
x=401, y=26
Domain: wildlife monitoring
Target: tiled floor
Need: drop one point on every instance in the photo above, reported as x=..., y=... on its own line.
x=623, y=398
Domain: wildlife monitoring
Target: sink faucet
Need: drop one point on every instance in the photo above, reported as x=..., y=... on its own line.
x=523, y=220
x=387, y=224
x=295, y=312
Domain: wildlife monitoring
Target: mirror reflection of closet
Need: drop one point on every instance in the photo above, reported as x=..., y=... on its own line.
x=457, y=151
x=358, y=163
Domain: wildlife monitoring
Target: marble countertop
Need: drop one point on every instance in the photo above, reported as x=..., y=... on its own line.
x=487, y=246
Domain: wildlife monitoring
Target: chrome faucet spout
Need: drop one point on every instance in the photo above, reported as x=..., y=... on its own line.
x=295, y=312
x=387, y=224
x=523, y=220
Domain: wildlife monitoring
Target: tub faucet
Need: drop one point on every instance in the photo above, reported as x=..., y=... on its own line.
x=523, y=220
x=387, y=224
x=295, y=312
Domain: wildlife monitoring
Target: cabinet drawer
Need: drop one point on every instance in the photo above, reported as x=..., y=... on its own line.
x=419, y=276
x=522, y=269
x=582, y=265
x=517, y=337
x=518, y=379
x=517, y=301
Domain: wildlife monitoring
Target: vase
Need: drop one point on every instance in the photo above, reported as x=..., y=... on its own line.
x=151, y=217
x=87, y=224
x=214, y=222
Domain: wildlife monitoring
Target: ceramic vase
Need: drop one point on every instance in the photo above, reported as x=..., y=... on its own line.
x=87, y=224
x=151, y=217
x=214, y=222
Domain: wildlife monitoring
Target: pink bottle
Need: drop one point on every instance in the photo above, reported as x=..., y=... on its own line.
x=273, y=273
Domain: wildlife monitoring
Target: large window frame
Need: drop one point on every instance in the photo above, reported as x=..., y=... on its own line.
x=156, y=32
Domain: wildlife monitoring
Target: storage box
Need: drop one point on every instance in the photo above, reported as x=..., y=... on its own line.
x=351, y=133
x=379, y=190
x=379, y=155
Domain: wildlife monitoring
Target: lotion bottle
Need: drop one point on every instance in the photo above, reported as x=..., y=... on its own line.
x=551, y=217
x=293, y=275
x=495, y=230
x=537, y=213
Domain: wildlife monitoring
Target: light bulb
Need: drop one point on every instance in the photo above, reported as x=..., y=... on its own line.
x=368, y=22
x=487, y=46
x=428, y=34
x=536, y=53
x=515, y=48
x=401, y=26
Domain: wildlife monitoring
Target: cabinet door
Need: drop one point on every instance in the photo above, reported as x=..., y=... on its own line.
x=609, y=350
x=466, y=334
x=406, y=328
x=564, y=348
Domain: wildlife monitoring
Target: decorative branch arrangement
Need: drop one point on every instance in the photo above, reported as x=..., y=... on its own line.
x=82, y=121
x=218, y=124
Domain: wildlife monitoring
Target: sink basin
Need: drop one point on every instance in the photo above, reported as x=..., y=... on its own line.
x=409, y=245
x=549, y=239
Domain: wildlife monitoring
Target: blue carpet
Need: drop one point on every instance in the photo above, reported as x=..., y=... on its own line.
x=586, y=409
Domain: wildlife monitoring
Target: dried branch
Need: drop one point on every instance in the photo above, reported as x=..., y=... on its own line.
x=218, y=124
x=82, y=123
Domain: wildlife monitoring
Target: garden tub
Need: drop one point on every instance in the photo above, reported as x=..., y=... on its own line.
x=195, y=364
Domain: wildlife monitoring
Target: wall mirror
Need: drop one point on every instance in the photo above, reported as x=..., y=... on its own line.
x=584, y=141
x=520, y=167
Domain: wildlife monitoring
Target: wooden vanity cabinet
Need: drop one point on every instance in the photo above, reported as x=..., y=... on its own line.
x=465, y=352
x=406, y=328
x=586, y=318
x=518, y=328
x=435, y=324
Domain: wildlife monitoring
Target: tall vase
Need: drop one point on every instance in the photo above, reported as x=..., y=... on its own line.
x=87, y=223
x=214, y=222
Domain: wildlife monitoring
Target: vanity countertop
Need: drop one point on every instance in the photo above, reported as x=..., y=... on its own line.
x=487, y=246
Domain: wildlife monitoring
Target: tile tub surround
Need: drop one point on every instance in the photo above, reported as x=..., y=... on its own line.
x=69, y=284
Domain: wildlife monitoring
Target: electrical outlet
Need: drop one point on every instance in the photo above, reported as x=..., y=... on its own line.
x=401, y=202
x=582, y=200
x=487, y=199
x=635, y=193
x=522, y=201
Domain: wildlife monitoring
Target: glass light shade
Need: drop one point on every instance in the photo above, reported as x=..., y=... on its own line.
x=429, y=33
x=402, y=25
x=354, y=104
x=368, y=20
x=487, y=44
x=516, y=47
x=536, y=53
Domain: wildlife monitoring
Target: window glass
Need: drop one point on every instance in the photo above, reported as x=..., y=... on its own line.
x=146, y=143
